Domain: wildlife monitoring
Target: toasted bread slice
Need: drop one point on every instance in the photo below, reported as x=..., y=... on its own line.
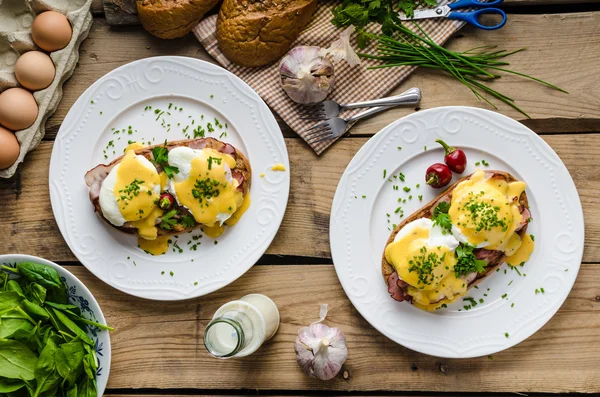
x=493, y=260
x=242, y=172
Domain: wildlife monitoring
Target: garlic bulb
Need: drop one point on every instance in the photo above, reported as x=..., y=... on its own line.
x=341, y=48
x=321, y=351
x=306, y=75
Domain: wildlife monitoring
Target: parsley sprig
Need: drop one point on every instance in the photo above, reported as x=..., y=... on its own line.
x=441, y=218
x=167, y=221
x=385, y=12
x=467, y=262
x=161, y=157
x=188, y=221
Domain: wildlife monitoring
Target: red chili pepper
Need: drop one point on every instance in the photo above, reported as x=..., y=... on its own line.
x=455, y=158
x=166, y=201
x=438, y=175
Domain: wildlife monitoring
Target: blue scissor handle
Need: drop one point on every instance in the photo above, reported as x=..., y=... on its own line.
x=473, y=16
x=473, y=3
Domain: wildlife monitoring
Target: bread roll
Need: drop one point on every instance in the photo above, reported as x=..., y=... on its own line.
x=169, y=19
x=256, y=33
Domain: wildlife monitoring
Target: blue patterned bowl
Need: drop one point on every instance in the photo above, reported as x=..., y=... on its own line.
x=78, y=295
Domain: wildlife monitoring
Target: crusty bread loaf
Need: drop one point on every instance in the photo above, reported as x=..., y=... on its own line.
x=427, y=211
x=169, y=19
x=258, y=32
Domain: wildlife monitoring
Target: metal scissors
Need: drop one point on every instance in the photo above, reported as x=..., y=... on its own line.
x=471, y=17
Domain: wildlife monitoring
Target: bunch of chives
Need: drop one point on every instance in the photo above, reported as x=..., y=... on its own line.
x=472, y=68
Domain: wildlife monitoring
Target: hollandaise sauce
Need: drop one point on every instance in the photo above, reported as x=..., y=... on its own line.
x=210, y=193
x=486, y=211
x=522, y=254
x=136, y=188
x=158, y=246
x=134, y=146
x=429, y=270
x=240, y=211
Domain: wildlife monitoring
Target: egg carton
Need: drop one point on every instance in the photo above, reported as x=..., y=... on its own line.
x=16, y=17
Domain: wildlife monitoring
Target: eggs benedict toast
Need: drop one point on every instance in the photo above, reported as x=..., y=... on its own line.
x=458, y=239
x=163, y=190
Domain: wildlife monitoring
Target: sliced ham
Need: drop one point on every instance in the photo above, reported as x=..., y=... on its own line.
x=227, y=149
x=489, y=256
x=397, y=288
x=95, y=177
x=198, y=144
x=237, y=175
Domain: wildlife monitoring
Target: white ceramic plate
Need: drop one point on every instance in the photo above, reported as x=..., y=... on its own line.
x=80, y=296
x=204, y=92
x=360, y=229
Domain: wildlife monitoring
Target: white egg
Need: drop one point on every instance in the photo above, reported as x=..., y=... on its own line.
x=436, y=234
x=181, y=157
x=108, y=202
x=456, y=232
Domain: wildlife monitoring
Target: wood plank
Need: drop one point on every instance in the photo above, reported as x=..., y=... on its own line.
x=558, y=45
x=160, y=344
x=28, y=226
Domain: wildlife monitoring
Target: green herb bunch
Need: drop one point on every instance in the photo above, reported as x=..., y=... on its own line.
x=473, y=68
x=385, y=12
x=160, y=155
x=44, y=349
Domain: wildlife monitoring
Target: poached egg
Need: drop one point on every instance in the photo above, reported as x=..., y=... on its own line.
x=485, y=213
x=129, y=193
x=423, y=256
x=204, y=185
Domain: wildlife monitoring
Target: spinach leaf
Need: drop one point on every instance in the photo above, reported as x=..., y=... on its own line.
x=44, y=275
x=8, y=301
x=10, y=385
x=75, y=315
x=34, y=310
x=46, y=374
x=3, y=280
x=87, y=388
x=72, y=392
x=9, y=326
x=63, y=307
x=31, y=338
x=16, y=360
x=38, y=293
x=90, y=363
x=14, y=286
x=58, y=295
x=69, y=362
x=69, y=324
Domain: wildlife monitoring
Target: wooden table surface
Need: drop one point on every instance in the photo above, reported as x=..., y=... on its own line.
x=157, y=347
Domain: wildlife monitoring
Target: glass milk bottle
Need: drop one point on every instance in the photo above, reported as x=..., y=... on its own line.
x=240, y=327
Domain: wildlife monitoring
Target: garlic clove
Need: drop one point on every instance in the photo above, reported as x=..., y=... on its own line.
x=341, y=49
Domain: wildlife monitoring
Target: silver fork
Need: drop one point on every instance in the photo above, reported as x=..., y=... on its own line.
x=336, y=126
x=328, y=109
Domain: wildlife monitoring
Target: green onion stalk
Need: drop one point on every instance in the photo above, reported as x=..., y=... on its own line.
x=473, y=68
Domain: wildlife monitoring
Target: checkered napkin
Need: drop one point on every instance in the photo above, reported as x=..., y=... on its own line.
x=352, y=83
